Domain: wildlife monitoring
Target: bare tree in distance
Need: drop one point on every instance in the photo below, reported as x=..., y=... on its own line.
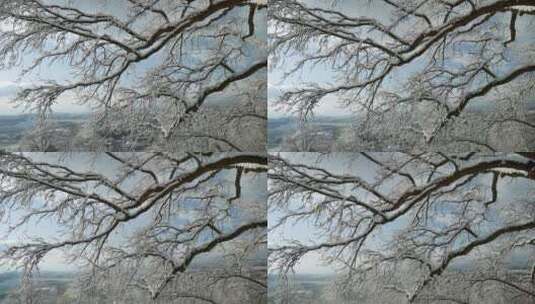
x=146, y=68
x=429, y=64
x=400, y=227
x=143, y=228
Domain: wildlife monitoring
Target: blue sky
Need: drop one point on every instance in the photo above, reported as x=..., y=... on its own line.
x=253, y=194
x=48, y=228
x=322, y=74
x=305, y=231
x=10, y=80
x=511, y=194
x=325, y=76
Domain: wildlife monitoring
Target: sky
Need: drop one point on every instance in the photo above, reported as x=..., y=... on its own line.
x=351, y=164
x=11, y=81
x=253, y=194
x=304, y=231
x=320, y=74
x=324, y=75
x=48, y=228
